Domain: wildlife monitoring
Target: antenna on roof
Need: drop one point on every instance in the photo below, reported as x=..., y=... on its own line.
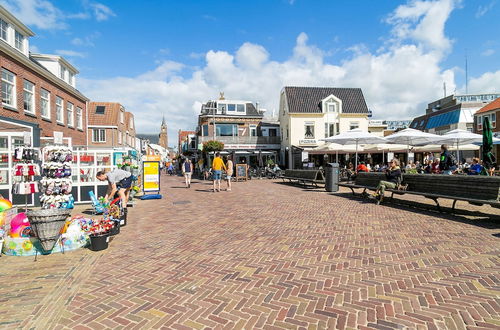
x=466, y=74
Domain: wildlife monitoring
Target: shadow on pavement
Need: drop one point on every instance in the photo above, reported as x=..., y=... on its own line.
x=484, y=220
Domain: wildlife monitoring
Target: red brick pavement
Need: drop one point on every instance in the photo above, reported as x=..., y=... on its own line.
x=265, y=255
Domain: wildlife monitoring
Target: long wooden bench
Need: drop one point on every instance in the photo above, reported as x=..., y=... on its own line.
x=313, y=177
x=476, y=190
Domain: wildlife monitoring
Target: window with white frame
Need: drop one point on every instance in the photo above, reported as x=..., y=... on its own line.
x=119, y=138
x=353, y=125
x=309, y=130
x=71, y=78
x=122, y=117
x=492, y=117
x=253, y=130
x=19, y=41
x=8, y=88
x=3, y=29
x=329, y=129
x=63, y=72
x=131, y=123
x=332, y=107
x=29, y=96
x=59, y=110
x=45, y=103
x=79, y=118
x=99, y=135
x=70, y=114
x=240, y=107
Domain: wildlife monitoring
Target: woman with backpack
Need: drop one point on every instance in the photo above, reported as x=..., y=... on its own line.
x=393, y=178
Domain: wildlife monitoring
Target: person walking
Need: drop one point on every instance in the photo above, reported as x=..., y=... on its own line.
x=229, y=172
x=217, y=166
x=187, y=171
x=447, y=163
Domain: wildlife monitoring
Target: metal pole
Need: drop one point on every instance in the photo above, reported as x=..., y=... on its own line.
x=356, y=160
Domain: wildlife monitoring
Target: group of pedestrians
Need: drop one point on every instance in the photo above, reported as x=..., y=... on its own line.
x=218, y=166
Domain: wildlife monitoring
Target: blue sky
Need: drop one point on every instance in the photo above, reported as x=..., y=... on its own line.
x=165, y=57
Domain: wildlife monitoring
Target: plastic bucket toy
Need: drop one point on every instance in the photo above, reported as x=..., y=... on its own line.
x=116, y=229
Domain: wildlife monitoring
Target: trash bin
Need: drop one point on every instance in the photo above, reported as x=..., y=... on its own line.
x=332, y=177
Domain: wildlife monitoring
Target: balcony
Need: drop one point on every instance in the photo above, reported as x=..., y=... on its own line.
x=238, y=140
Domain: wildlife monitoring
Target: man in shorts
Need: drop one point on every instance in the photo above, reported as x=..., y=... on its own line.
x=118, y=181
x=217, y=166
x=187, y=171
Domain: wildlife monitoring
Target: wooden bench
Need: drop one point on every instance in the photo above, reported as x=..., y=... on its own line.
x=313, y=177
x=476, y=190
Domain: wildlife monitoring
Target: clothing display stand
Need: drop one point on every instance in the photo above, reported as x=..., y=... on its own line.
x=24, y=173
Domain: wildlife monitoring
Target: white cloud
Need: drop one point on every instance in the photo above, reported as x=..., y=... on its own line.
x=101, y=12
x=482, y=10
x=70, y=53
x=398, y=80
x=489, y=82
x=87, y=41
x=44, y=15
x=488, y=52
x=40, y=13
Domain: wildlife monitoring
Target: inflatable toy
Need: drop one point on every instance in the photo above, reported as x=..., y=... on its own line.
x=5, y=204
x=19, y=226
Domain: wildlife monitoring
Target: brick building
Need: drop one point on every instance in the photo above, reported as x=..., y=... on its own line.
x=110, y=125
x=492, y=111
x=240, y=125
x=38, y=91
x=186, y=141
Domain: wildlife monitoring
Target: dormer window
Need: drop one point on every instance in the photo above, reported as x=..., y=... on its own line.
x=63, y=72
x=241, y=108
x=332, y=107
x=19, y=41
x=3, y=29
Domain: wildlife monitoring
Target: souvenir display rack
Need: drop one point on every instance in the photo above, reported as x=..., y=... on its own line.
x=57, y=183
x=24, y=172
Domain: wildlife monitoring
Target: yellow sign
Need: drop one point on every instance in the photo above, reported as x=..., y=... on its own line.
x=152, y=158
x=151, y=176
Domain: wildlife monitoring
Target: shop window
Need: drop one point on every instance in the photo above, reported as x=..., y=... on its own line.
x=45, y=103
x=70, y=114
x=103, y=159
x=309, y=130
x=99, y=135
x=29, y=96
x=8, y=88
x=59, y=110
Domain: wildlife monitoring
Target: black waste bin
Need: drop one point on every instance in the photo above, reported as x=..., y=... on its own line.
x=332, y=177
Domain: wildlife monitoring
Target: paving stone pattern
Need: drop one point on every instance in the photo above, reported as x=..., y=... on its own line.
x=265, y=255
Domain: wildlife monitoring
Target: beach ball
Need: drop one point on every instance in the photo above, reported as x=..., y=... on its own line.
x=27, y=245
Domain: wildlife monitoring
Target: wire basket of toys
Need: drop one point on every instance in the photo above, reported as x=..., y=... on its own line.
x=46, y=225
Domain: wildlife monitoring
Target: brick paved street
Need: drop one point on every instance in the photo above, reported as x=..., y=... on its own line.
x=265, y=255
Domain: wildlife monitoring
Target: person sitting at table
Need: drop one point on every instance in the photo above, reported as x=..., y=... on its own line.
x=428, y=167
x=362, y=168
x=475, y=168
x=435, y=166
x=393, y=177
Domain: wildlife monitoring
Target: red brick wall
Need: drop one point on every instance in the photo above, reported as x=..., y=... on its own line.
x=47, y=126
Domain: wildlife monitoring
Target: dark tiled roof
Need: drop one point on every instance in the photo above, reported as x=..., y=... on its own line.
x=308, y=99
x=495, y=105
x=153, y=138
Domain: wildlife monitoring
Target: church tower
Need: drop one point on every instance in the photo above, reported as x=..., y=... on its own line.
x=163, y=137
